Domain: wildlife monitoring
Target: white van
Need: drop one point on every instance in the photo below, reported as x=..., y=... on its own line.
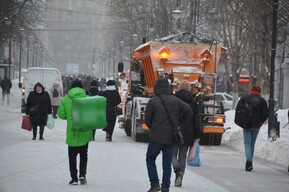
x=46, y=76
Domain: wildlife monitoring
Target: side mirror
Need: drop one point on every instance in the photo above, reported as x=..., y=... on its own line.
x=20, y=85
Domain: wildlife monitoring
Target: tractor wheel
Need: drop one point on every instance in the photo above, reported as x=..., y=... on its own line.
x=127, y=127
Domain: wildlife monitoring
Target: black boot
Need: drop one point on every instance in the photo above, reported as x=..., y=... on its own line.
x=108, y=137
x=249, y=166
x=179, y=177
x=41, y=133
x=34, y=129
x=154, y=187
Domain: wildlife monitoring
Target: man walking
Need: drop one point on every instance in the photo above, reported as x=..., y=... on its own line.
x=6, y=85
x=160, y=112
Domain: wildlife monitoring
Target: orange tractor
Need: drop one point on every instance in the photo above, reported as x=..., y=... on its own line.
x=178, y=57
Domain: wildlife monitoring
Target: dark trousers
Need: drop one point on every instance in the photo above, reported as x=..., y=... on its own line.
x=3, y=96
x=41, y=131
x=54, y=111
x=153, y=151
x=72, y=154
x=110, y=125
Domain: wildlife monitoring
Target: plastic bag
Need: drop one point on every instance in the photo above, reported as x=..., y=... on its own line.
x=192, y=151
x=50, y=122
x=196, y=161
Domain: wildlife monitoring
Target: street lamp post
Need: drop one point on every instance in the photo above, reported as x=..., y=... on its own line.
x=121, y=43
x=8, y=22
x=28, y=47
x=113, y=63
x=177, y=15
x=20, y=55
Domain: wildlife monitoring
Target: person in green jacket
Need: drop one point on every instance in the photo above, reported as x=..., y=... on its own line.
x=76, y=140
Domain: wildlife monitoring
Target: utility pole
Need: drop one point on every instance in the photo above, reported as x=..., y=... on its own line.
x=273, y=125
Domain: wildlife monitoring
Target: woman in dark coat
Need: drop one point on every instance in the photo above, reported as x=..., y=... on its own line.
x=38, y=107
x=190, y=129
x=113, y=99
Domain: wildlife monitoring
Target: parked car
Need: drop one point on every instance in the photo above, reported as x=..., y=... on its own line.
x=226, y=99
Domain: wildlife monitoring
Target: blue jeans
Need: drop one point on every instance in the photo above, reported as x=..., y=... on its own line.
x=152, y=153
x=250, y=136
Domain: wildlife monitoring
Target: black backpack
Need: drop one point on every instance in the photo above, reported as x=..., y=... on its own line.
x=243, y=115
x=55, y=93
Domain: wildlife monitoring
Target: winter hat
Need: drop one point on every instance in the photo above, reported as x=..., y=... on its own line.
x=256, y=88
x=77, y=83
x=162, y=87
x=110, y=82
x=93, y=83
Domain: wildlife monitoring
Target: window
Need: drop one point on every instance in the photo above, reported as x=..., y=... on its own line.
x=219, y=98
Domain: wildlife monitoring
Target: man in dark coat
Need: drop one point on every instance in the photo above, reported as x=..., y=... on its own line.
x=190, y=129
x=260, y=113
x=6, y=85
x=38, y=107
x=93, y=91
x=112, y=100
x=162, y=131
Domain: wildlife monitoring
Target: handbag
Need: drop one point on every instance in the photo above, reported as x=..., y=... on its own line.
x=26, y=123
x=50, y=122
x=196, y=161
x=177, y=135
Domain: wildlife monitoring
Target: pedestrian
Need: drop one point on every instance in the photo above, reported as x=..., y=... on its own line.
x=56, y=92
x=112, y=100
x=260, y=113
x=93, y=91
x=77, y=140
x=38, y=107
x=6, y=85
x=190, y=128
x=161, y=134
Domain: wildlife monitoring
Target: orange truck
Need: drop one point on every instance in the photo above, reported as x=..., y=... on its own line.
x=177, y=57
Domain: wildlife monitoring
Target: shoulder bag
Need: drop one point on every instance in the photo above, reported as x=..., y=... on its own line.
x=178, y=136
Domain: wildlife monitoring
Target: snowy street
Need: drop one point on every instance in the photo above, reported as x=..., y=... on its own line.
x=33, y=166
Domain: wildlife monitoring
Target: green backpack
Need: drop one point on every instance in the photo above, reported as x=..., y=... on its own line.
x=89, y=113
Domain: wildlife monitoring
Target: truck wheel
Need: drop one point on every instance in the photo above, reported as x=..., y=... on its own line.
x=127, y=127
x=137, y=137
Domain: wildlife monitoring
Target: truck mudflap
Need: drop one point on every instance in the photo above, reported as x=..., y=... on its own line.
x=211, y=135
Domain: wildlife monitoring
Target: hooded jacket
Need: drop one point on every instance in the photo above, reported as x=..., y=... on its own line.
x=41, y=104
x=189, y=127
x=55, y=101
x=156, y=118
x=74, y=138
